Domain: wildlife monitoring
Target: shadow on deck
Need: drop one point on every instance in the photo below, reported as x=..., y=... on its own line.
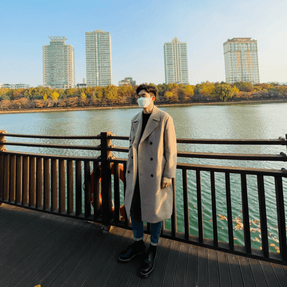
x=40, y=248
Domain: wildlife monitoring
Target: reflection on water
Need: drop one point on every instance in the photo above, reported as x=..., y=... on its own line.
x=268, y=121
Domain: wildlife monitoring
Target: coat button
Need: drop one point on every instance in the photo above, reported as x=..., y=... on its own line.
x=128, y=171
x=150, y=143
x=151, y=175
x=151, y=158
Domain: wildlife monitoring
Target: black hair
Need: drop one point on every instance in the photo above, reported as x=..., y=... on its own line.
x=147, y=88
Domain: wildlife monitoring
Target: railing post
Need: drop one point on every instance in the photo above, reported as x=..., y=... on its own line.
x=2, y=140
x=2, y=148
x=106, y=182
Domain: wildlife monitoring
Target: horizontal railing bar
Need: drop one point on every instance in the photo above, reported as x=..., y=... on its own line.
x=54, y=145
x=118, y=160
x=211, y=155
x=38, y=155
x=233, y=141
x=236, y=156
x=52, y=137
x=118, y=148
x=118, y=137
x=220, y=141
x=231, y=169
x=218, y=168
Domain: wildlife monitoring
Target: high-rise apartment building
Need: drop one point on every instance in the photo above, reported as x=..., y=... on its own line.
x=175, y=62
x=58, y=64
x=98, y=58
x=241, y=60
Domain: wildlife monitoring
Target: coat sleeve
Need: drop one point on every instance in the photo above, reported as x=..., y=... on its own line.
x=170, y=150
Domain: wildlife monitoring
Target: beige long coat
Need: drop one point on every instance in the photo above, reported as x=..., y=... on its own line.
x=155, y=157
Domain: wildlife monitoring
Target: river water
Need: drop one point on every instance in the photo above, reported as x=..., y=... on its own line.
x=257, y=121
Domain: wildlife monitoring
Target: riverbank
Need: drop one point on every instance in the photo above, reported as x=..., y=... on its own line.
x=88, y=108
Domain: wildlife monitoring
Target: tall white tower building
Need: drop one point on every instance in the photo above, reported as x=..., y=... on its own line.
x=241, y=60
x=175, y=62
x=58, y=64
x=98, y=58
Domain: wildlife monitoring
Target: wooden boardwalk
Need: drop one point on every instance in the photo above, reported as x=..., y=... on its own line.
x=39, y=248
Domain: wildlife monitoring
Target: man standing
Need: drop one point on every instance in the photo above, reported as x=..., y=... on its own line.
x=151, y=165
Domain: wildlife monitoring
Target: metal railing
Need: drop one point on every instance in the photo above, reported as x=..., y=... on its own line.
x=54, y=184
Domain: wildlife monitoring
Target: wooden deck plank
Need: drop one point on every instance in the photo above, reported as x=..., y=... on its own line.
x=192, y=267
x=112, y=273
x=202, y=277
x=257, y=273
x=246, y=272
x=68, y=254
x=100, y=277
x=42, y=248
x=85, y=266
x=15, y=221
x=269, y=274
x=181, y=268
x=96, y=266
x=21, y=243
x=223, y=268
x=78, y=260
x=235, y=272
x=33, y=256
x=213, y=269
x=280, y=274
x=52, y=253
x=169, y=276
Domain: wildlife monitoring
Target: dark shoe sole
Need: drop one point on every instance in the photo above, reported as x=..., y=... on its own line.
x=145, y=275
x=127, y=260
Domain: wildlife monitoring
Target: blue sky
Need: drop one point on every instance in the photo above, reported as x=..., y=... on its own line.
x=138, y=31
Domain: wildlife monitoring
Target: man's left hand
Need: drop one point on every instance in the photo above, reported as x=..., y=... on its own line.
x=166, y=182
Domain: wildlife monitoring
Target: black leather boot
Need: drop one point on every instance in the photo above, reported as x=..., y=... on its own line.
x=148, y=262
x=137, y=248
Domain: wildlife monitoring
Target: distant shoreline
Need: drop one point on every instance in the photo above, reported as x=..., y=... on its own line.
x=59, y=109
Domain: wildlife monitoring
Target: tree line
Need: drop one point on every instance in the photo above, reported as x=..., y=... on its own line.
x=45, y=97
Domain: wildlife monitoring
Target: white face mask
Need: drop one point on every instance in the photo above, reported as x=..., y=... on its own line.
x=143, y=102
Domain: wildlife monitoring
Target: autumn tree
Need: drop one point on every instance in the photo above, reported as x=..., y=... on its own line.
x=55, y=95
x=225, y=91
x=125, y=93
x=111, y=93
x=244, y=86
x=207, y=89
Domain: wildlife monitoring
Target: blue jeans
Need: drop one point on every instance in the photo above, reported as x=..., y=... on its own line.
x=139, y=231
